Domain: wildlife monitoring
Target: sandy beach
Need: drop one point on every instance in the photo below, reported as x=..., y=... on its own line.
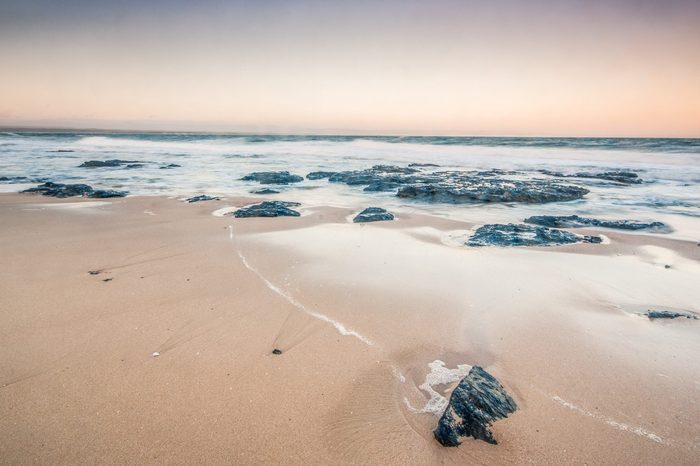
x=141, y=330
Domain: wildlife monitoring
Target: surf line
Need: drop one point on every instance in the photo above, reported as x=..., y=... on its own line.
x=339, y=326
x=609, y=421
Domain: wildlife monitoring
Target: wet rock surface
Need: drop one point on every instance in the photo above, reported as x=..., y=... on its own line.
x=268, y=209
x=202, y=198
x=454, y=187
x=512, y=234
x=373, y=214
x=265, y=191
x=110, y=163
x=170, y=166
x=281, y=177
x=319, y=175
x=477, y=401
x=574, y=221
x=477, y=189
x=13, y=179
x=70, y=190
x=616, y=176
x=654, y=314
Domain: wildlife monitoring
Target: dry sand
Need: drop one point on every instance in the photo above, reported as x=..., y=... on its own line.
x=359, y=312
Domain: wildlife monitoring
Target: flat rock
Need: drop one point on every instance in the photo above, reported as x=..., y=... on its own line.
x=108, y=163
x=69, y=190
x=281, y=177
x=574, y=221
x=268, y=209
x=422, y=165
x=482, y=189
x=616, y=176
x=653, y=314
x=265, y=191
x=13, y=179
x=201, y=198
x=477, y=402
x=373, y=214
x=319, y=175
x=170, y=166
x=511, y=234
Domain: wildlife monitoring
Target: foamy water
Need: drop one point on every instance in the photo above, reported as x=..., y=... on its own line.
x=214, y=164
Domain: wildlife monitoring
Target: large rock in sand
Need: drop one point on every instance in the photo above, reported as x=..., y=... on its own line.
x=477, y=402
x=268, y=209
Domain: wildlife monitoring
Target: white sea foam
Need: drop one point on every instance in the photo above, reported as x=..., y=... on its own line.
x=339, y=326
x=439, y=375
x=609, y=421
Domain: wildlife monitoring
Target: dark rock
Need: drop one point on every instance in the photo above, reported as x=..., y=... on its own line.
x=169, y=166
x=106, y=163
x=319, y=175
x=268, y=209
x=62, y=150
x=422, y=165
x=493, y=190
x=276, y=351
x=13, y=179
x=478, y=401
x=652, y=314
x=201, y=198
x=265, y=191
x=373, y=214
x=60, y=190
x=69, y=190
x=525, y=235
x=574, y=221
x=107, y=193
x=457, y=187
x=283, y=177
x=134, y=165
x=617, y=176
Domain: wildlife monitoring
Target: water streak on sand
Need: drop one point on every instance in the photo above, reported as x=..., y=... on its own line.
x=609, y=421
x=340, y=327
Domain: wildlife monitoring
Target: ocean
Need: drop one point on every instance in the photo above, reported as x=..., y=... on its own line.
x=214, y=164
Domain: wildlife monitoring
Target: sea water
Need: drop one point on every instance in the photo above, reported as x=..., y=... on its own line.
x=214, y=164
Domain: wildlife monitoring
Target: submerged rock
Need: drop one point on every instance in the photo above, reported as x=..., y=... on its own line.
x=652, y=314
x=69, y=190
x=201, y=198
x=108, y=163
x=13, y=179
x=169, y=166
x=319, y=175
x=493, y=190
x=281, y=177
x=268, y=209
x=511, y=234
x=617, y=176
x=477, y=402
x=422, y=165
x=107, y=193
x=265, y=191
x=574, y=221
x=373, y=214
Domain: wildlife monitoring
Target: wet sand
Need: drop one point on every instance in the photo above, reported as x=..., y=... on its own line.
x=359, y=312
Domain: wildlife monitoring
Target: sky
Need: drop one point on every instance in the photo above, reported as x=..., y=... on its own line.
x=437, y=67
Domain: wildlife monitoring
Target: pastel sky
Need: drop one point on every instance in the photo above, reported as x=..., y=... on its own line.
x=470, y=67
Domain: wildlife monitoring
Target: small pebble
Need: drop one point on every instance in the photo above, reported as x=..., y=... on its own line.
x=276, y=351
x=155, y=354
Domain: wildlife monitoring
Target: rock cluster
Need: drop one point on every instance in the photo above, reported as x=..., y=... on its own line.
x=69, y=190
